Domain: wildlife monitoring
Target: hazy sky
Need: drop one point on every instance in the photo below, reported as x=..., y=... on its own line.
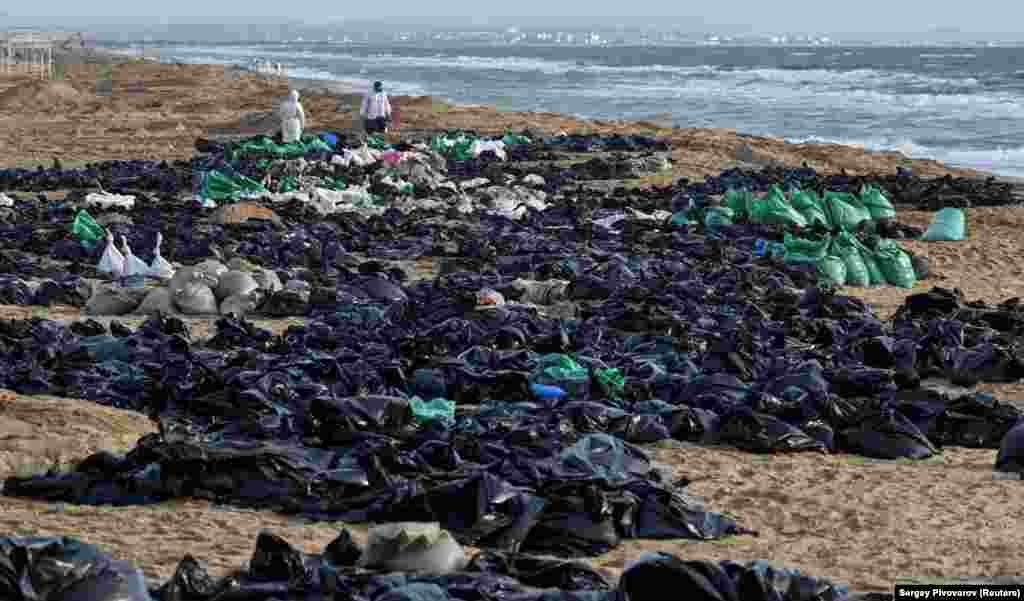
x=760, y=15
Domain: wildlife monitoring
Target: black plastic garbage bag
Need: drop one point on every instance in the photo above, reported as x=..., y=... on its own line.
x=973, y=420
x=600, y=456
x=885, y=352
x=88, y=327
x=649, y=511
x=720, y=391
x=821, y=432
x=276, y=571
x=14, y=292
x=540, y=572
x=70, y=292
x=191, y=582
x=977, y=420
x=64, y=569
x=382, y=289
x=758, y=432
x=694, y=425
x=757, y=580
x=935, y=302
x=984, y=363
x=1011, y=451
x=887, y=435
x=415, y=591
x=343, y=551
x=662, y=577
x=275, y=559
x=487, y=511
x=578, y=520
x=343, y=421
x=286, y=303
x=862, y=381
x=657, y=576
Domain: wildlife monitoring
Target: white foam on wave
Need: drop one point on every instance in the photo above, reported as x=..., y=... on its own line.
x=468, y=62
x=358, y=85
x=865, y=79
x=947, y=55
x=1003, y=161
x=760, y=94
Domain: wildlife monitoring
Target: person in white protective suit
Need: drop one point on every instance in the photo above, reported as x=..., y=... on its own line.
x=293, y=118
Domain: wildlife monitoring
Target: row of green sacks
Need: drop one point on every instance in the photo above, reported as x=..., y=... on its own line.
x=846, y=261
x=266, y=145
x=804, y=208
x=840, y=211
x=222, y=186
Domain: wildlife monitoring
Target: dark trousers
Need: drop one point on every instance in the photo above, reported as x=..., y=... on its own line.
x=376, y=125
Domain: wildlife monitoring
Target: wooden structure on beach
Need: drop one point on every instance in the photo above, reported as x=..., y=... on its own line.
x=29, y=52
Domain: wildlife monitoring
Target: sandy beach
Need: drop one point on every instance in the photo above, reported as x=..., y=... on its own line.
x=866, y=523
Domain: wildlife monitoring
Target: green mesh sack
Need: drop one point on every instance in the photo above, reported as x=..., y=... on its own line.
x=376, y=142
x=612, y=381
x=739, y=201
x=875, y=275
x=775, y=209
x=810, y=206
x=441, y=410
x=287, y=184
x=85, y=228
x=845, y=210
x=833, y=269
x=895, y=264
x=218, y=186
x=801, y=250
x=513, y=140
x=455, y=145
x=876, y=202
x=845, y=247
x=680, y=219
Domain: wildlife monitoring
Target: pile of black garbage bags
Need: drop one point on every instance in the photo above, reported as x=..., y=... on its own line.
x=430, y=409
x=515, y=425
x=64, y=569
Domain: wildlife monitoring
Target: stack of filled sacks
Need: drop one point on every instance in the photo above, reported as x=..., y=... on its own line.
x=837, y=231
x=208, y=288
